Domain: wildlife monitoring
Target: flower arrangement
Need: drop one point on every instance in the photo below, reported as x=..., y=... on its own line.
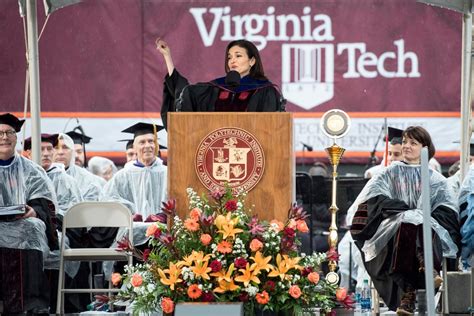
x=221, y=253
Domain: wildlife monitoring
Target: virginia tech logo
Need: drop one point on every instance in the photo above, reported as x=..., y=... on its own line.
x=308, y=74
x=230, y=155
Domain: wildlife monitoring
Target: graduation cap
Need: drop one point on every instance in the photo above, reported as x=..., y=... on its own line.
x=79, y=138
x=395, y=135
x=130, y=144
x=142, y=129
x=471, y=150
x=48, y=138
x=12, y=120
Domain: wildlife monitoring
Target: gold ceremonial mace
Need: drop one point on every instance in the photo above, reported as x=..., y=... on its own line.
x=335, y=123
x=335, y=153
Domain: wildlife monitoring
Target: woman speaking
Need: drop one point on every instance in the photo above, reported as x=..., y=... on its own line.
x=244, y=89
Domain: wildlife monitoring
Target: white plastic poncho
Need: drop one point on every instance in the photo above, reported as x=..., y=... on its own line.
x=23, y=181
x=89, y=184
x=65, y=186
x=466, y=194
x=140, y=189
x=403, y=182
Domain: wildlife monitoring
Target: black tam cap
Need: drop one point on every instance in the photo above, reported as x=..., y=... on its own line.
x=12, y=120
x=48, y=138
x=142, y=129
x=79, y=138
x=395, y=135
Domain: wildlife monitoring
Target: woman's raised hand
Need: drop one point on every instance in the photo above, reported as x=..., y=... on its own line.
x=162, y=47
x=165, y=50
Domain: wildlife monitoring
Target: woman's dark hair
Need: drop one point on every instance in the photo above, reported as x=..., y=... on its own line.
x=256, y=71
x=422, y=136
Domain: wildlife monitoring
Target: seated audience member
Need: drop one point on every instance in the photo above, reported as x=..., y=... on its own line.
x=130, y=153
x=90, y=185
x=102, y=167
x=80, y=141
x=394, y=152
x=141, y=186
x=387, y=226
x=66, y=188
x=27, y=238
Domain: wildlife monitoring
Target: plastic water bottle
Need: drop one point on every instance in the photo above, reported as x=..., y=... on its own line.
x=358, y=302
x=366, y=300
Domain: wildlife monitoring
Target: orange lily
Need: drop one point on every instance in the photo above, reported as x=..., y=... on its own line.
x=223, y=275
x=225, y=286
x=260, y=263
x=228, y=230
x=284, y=265
x=193, y=257
x=201, y=270
x=247, y=276
x=173, y=278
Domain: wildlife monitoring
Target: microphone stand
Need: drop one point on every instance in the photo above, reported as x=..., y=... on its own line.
x=372, y=159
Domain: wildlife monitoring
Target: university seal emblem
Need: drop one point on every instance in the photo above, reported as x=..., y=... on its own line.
x=230, y=155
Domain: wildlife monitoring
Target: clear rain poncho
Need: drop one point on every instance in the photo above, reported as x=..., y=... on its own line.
x=403, y=182
x=23, y=181
x=90, y=185
x=66, y=188
x=466, y=194
x=140, y=189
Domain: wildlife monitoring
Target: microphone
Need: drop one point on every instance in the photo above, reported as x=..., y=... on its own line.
x=232, y=79
x=308, y=147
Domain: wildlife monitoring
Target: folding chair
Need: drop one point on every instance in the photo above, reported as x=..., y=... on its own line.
x=92, y=214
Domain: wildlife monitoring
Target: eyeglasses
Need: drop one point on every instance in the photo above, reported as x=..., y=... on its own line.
x=9, y=133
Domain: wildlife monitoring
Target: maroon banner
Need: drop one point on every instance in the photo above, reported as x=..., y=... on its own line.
x=358, y=56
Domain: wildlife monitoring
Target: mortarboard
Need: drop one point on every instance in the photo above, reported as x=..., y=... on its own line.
x=471, y=150
x=395, y=135
x=49, y=138
x=79, y=138
x=142, y=129
x=130, y=144
x=12, y=120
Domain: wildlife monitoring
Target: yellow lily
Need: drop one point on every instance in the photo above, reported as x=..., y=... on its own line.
x=221, y=220
x=173, y=278
x=260, y=263
x=247, y=276
x=223, y=275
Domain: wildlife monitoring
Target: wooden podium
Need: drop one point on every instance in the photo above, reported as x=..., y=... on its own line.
x=271, y=197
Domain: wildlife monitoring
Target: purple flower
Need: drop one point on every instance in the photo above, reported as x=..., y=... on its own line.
x=146, y=254
x=169, y=207
x=297, y=213
x=218, y=193
x=207, y=297
x=255, y=227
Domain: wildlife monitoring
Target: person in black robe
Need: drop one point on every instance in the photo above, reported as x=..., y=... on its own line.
x=387, y=227
x=244, y=89
x=27, y=238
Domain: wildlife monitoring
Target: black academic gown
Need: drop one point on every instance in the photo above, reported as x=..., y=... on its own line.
x=396, y=267
x=251, y=96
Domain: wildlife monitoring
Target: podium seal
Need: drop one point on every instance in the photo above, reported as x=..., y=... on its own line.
x=230, y=155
